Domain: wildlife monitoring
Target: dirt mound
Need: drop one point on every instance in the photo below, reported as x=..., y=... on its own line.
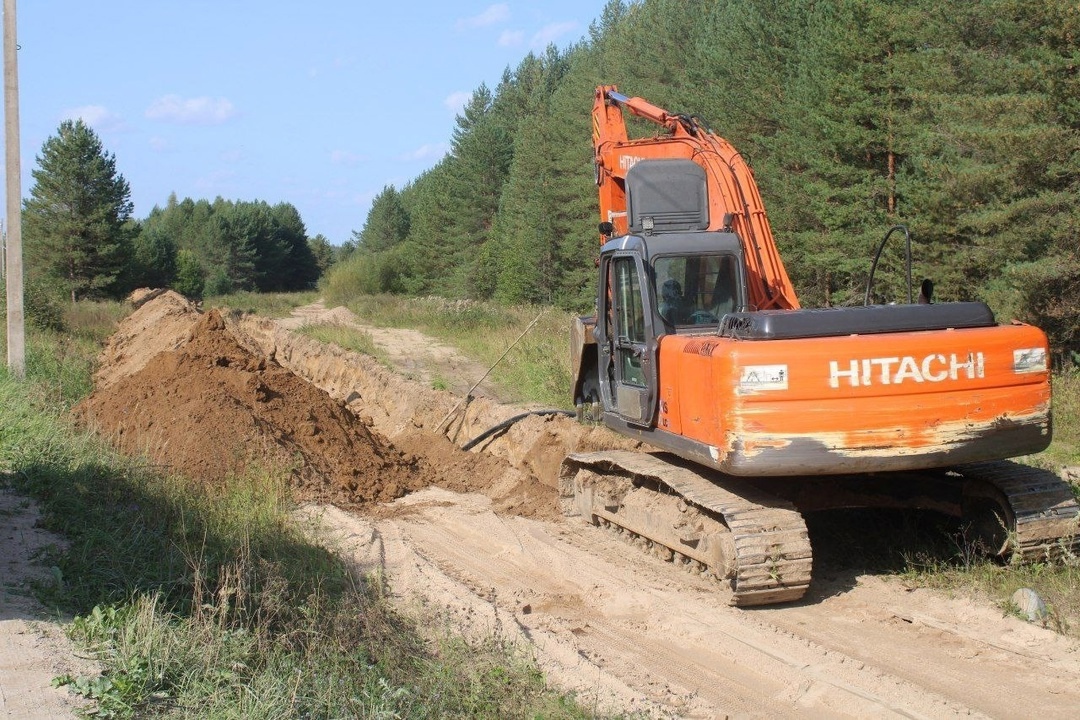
x=161, y=322
x=210, y=409
x=196, y=394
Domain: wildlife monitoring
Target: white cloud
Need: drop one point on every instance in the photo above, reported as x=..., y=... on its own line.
x=427, y=152
x=492, y=15
x=96, y=116
x=159, y=143
x=511, y=38
x=550, y=33
x=455, y=102
x=191, y=111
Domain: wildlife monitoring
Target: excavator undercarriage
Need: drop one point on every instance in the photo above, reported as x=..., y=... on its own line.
x=751, y=533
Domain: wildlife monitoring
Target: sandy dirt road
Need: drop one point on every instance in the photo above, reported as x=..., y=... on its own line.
x=33, y=647
x=629, y=632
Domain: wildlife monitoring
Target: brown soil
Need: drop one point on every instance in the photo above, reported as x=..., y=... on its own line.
x=210, y=410
x=179, y=388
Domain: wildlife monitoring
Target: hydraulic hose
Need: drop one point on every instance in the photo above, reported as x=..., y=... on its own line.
x=506, y=424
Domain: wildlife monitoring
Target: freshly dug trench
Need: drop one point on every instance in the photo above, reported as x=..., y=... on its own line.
x=183, y=390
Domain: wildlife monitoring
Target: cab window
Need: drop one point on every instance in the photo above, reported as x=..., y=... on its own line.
x=695, y=289
x=629, y=321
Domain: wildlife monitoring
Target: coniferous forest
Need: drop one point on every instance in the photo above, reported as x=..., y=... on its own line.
x=960, y=121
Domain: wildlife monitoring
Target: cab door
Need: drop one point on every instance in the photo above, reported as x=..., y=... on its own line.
x=628, y=348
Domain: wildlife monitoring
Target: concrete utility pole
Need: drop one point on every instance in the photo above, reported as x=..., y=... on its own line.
x=16, y=331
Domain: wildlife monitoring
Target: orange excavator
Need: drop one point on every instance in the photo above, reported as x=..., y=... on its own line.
x=757, y=410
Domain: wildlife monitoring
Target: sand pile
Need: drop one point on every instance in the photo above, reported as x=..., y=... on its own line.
x=203, y=406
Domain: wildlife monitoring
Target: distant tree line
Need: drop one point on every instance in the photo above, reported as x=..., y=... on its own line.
x=218, y=247
x=81, y=240
x=960, y=121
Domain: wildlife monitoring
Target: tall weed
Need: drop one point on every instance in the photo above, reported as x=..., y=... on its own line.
x=1065, y=448
x=268, y=304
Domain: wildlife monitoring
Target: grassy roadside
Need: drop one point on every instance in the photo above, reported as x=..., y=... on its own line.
x=275, y=305
x=209, y=602
x=1065, y=448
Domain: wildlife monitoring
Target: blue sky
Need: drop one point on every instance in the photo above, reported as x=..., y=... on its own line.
x=319, y=103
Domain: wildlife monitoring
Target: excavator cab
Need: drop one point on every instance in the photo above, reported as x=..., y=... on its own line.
x=653, y=287
x=669, y=274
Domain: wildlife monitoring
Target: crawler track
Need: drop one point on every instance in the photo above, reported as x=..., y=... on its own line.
x=758, y=542
x=766, y=556
x=1041, y=513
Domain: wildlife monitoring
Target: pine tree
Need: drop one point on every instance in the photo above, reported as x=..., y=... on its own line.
x=322, y=252
x=74, y=220
x=479, y=163
x=429, y=208
x=190, y=277
x=387, y=223
x=239, y=245
x=154, y=259
x=300, y=268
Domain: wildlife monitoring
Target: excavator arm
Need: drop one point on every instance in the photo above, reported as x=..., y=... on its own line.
x=734, y=201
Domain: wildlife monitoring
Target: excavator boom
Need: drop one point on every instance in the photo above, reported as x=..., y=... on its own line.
x=734, y=201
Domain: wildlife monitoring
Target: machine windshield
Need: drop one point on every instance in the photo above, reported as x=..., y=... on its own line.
x=695, y=289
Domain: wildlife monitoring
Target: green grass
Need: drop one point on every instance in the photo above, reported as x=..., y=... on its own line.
x=351, y=339
x=269, y=304
x=1056, y=584
x=1064, y=450
x=209, y=602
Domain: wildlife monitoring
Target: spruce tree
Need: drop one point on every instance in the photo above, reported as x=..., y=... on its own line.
x=479, y=164
x=300, y=268
x=74, y=219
